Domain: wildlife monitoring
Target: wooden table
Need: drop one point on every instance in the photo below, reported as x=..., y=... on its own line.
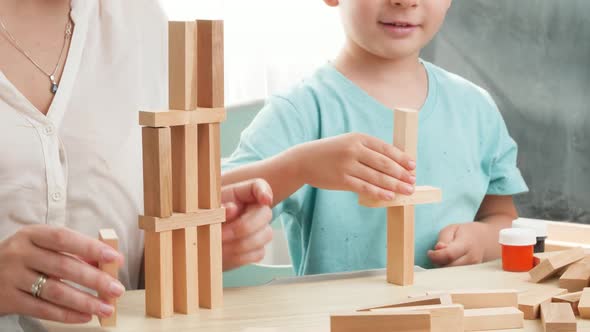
x=306, y=306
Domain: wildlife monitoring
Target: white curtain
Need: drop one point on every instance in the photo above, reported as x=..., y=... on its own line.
x=270, y=45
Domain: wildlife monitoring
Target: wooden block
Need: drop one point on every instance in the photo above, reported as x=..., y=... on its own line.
x=482, y=298
x=185, y=169
x=158, y=274
x=439, y=299
x=210, y=63
x=405, y=131
x=209, y=166
x=109, y=237
x=485, y=319
x=417, y=321
x=182, y=220
x=182, y=65
x=185, y=273
x=584, y=305
x=529, y=302
x=558, y=317
x=157, y=172
x=210, y=266
x=573, y=299
x=171, y=118
x=577, y=276
x=400, y=245
x=550, y=266
x=443, y=318
x=421, y=195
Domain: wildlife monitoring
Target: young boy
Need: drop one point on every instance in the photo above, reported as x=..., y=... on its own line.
x=329, y=138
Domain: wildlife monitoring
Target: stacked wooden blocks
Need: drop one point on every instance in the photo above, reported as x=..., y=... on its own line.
x=445, y=311
x=400, y=210
x=181, y=173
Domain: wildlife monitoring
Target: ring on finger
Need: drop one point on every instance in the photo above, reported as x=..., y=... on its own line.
x=37, y=286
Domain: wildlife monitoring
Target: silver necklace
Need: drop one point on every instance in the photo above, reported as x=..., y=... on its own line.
x=51, y=76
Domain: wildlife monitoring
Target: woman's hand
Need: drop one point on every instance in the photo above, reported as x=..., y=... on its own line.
x=60, y=254
x=247, y=228
x=355, y=162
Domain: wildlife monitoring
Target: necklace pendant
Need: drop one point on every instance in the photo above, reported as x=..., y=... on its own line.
x=53, y=84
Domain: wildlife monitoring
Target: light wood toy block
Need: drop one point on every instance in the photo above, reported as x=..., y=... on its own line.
x=158, y=274
x=418, y=321
x=551, y=265
x=182, y=86
x=185, y=169
x=442, y=299
x=529, y=302
x=210, y=77
x=486, y=319
x=210, y=266
x=573, y=299
x=109, y=237
x=577, y=276
x=443, y=318
x=185, y=274
x=157, y=172
x=182, y=220
x=584, y=304
x=400, y=245
x=421, y=195
x=482, y=298
x=558, y=317
x=172, y=118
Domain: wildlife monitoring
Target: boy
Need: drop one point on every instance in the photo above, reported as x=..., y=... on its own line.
x=330, y=138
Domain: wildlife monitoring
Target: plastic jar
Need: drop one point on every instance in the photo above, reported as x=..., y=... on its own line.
x=540, y=228
x=517, y=249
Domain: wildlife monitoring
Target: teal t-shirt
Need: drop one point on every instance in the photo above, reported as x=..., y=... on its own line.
x=463, y=148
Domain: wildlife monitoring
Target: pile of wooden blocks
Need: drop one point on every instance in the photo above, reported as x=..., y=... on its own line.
x=446, y=311
x=181, y=173
x=559, y=306
x=400, y=210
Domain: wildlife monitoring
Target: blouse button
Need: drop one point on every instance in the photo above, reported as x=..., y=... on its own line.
x=48, y=130
x=56, y=196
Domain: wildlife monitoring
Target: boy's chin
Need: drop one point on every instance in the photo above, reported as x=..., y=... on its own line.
x=399, y=53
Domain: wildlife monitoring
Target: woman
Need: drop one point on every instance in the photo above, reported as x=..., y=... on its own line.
x=73, y=76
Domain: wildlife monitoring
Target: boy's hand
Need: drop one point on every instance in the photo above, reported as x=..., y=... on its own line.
x=355, y=162
x=460, y=244
x=247, y=228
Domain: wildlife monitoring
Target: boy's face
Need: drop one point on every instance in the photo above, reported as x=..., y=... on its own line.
x=391, y=29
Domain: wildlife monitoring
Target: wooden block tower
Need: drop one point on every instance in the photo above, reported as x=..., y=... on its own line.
x=181, y=173
x=400, y=210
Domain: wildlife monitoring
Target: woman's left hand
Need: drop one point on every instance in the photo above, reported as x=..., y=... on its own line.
x=247, y=228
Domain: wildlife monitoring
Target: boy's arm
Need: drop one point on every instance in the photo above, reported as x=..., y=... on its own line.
x=475, y=242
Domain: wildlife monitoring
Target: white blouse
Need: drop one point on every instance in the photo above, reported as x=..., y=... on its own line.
x=80, y=166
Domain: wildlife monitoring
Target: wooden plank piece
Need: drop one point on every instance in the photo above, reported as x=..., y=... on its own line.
x=182, y=82
x=185, y=273
x=210, y=266
x=182, y=220
x=439, y=299
x=400, y=245
x=109, y=237
x=421, y=195
x=584, y=305
x=171, y=118
x=486, y=319
x=481, y=298
x=550, y=266
x=185, y=169
x=558, y=317
x=418, y=321
x=577, y=276
x=529, y=302
x=158, y=274
x=443, y=318
x=573, y=299
x=157, y=172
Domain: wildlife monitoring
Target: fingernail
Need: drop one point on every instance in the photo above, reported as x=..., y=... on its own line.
x=109, y=255
x=106, y=309
x=412, y=179
x=408, y=189
x=412, y=164
x=116, y=288
x=389, y=195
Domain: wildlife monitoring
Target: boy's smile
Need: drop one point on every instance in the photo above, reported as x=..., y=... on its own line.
x=398, y=29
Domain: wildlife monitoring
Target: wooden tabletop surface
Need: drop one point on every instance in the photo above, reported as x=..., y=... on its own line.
x=306, y=306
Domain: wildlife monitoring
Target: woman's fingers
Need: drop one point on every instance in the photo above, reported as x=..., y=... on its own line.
x=69, y=268
x=65, y=296
x=30, y=306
